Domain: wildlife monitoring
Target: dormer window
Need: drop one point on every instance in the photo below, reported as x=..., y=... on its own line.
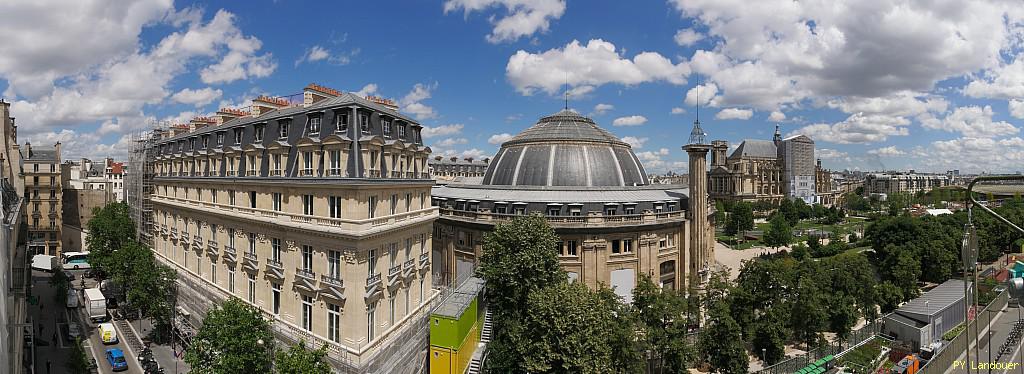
x=206, y=141
x=283, y=129
x=192, y=144
x=401, y=131
x=314, y=126
x=238, y=136
x=342, y=122
x=220, y=138
x=387, y=126
x=364, y=123
x=258, y=133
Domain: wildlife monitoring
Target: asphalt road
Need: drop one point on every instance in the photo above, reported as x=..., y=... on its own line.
x=55, y=315
x=1000, y=330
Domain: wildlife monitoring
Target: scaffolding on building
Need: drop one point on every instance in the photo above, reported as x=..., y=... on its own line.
x=139, y=181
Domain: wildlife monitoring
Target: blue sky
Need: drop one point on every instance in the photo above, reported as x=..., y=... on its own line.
x=877, y=84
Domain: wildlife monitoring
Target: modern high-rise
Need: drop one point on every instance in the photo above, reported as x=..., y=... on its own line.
x=315, y=211
x=43, y=192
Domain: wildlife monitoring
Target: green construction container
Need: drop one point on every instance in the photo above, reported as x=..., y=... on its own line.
x=453, y=320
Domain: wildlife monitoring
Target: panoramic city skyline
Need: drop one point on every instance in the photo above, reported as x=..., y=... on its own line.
x=917, y=88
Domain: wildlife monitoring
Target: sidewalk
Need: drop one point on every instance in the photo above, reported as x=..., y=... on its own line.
x=163, y=353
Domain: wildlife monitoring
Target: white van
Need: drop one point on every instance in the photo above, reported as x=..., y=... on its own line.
x=72, y=298
x=107, y=333
x=44, y=262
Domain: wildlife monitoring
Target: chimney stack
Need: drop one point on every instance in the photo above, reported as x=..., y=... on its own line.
x=387, y=103
x=313, y=93
x=227, y=114
x=265, y=104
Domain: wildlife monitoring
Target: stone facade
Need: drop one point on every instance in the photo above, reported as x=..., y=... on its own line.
x=890, y=183
x=44, y=194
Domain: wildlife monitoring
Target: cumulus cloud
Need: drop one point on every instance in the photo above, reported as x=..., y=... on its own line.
x=830, y=154
x=687, y=37
x=474, y=153
x=1002, y=82
x=979, y=154
x=594, y=64
x=600, y=109
x=199, y=97
x=449, y=142
x=857, y=129
x=443, y=130
x=702, y=95
x=734, y=113
x=778, y=52
x=652, y=160
x=890, y=151
x=412, y=102
x=635, y=142
x=678, y=110
x=499, y=138
x=1016, y=108
x=367, y=90
x=973, y=121
x=520, y=18
x=634, y=120
x=777, y=116
x=900, y=104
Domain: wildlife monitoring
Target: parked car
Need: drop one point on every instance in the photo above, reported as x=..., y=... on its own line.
x=115, y=357
x=72, y=298
x=74, y=332
x=107, y=333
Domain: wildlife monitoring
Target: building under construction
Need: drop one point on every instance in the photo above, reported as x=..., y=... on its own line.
x=139, y=181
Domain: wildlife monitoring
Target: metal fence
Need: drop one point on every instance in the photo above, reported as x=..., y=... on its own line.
x=856, y=337
x=944, y=360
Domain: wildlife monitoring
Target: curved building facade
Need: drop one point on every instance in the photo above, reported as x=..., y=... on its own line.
x=593, y=190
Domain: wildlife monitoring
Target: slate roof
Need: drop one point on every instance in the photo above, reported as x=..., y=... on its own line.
x=755, y=148
x=565, y=125
x=939, y=298
x=42, y=155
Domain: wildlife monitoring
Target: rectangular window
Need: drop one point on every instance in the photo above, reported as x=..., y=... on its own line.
x=252, y=199
x=408, y=202
x=616, y=246
x=283, y=129
x=401, y=131
x=220, y=138
x=307, y=313
x=314, y=126
x=213, y=232
x=609, y=211
x=231, y=238
x=372, y=262
x=252, y=287
x=334, y=322
x=387, y=126
x=276, y=199
x=629, y=209
x=394, y=203
x=334, y=203
x=371, y=319
x=334, y=264
x=275, y=247
x=421, y=290
x=275, y=289
x=364, y=123
x=335, y=168
x=307, y=257
x=258, y=133
x=213, y=272
x=406, y=301
x=423, y=199
x=554, y=211
x=392, y=254
x=252, y=243
x=231, y=197
x=342, y=122
x=252, y=165
x=307, y=163
x=307, y=205
x=627, y=245
x=213, y=195
x=238, y=136
x=372, y=205
x=391, y=306
x=231, y=280
x=571, y=247
x=277, y=164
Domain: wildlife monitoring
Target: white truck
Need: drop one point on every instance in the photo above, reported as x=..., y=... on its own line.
x=95, y=304
x=45, y=263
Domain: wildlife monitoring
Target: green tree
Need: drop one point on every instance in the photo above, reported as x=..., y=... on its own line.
x=59, y=281
x=770, y=336
x=808, y=314
x=842, y=314
x=889, y=296
x=519, y=257
x=788, y=209
x=741, y=218
x=78, y=362
x=779, y=232
x=800, y=251
x=301, y=360
x=234, y=338
x=720, y=214
x=903, y=269
x=720, y=343
x=110, y=229
x=662, y=316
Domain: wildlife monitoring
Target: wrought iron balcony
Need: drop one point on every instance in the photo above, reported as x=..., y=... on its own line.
x=250, y=261
x=332, y=287
x=394, y=275
x=197, y=242
x=174, y=234
x=230, y=254
x=408, y=268
x=424, y=261
x=372, y=286
x=212, y=248
x=275, y=268
x=305, y=278
x=185, y=238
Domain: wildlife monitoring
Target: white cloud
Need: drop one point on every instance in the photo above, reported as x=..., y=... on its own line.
x=890, y=151
x=687, y=37
x=904, y=103
x=974, y=122
x=634, y=120
x=318, y=53
x=977, y=154
x=652, y=160
x=734, y=113
x=115, y=91
x=777, y=116
x=600, y=109
x=412, y=104
x=476, y=154
x=1002, y=82
x=635, y=142
x=830, y=154
x=199, y=97
x=779, y=52
x=594, y=64
x=678, y=110
x=499, y=138
x=367, y=90
x=443, y=130
x=857, y=129
x=522, y=18
x=704, y=92
x=1016, y=108
x=449, y=142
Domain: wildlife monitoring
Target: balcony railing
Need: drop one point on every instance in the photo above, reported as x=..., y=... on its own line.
x=275, y=268
x=396, y=174
x=596, y=220
x=250, y=261
x=374, y=173
x=305, y=278
x=373, y=280
x=408, y=267
x=394, y=275
x=424, y=260
x=174, y=233
x=230, y=254
x=212, y=248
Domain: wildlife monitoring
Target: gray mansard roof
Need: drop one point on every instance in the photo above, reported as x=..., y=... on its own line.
x=755, y=148
x=565, y=149
x=659, y=193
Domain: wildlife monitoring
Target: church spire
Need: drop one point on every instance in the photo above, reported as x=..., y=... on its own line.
x=778, y=135
x=697, y=134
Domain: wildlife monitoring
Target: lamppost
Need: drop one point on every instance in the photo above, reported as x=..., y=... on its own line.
x=1017, y=292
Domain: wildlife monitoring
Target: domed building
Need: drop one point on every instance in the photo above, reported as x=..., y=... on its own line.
x=594, y=191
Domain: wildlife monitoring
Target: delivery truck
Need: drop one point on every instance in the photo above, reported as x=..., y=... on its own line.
x=95, y=305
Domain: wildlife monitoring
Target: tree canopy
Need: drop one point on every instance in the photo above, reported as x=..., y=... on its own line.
x=741, y=218
x=779, y=233
x=519, y=257
x=298, y=359
x=229, y=341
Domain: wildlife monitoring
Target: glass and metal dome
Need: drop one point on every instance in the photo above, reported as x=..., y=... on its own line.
x=565, y=149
